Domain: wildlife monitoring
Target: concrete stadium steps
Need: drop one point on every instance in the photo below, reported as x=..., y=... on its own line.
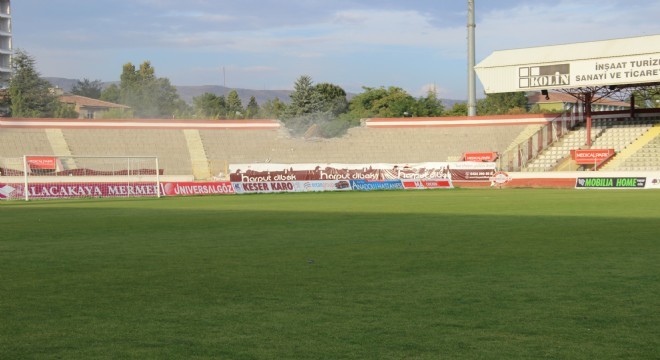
x=558, y=151
x=528, y=132
x=605, y=134
x=198, y=159
x=169, y=145
x=643, y=155
x=359, y=145
x=60, y=147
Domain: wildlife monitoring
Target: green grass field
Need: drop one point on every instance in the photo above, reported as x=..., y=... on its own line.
x=452, y=274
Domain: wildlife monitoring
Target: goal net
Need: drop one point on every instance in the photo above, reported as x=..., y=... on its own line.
x=56, y=177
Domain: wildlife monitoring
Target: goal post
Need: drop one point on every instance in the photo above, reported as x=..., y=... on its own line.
x=56, y=177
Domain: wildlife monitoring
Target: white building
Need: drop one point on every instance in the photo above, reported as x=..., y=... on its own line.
x=5, y=42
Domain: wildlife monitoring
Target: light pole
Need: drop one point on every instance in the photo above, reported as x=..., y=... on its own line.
x=472, y=92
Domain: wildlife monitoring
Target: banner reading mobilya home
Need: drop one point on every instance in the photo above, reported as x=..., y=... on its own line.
x=611, y=182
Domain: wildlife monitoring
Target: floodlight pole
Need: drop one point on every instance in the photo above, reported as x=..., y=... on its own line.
x=472, y=92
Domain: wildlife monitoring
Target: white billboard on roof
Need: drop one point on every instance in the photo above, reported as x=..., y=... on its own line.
x=632, y=61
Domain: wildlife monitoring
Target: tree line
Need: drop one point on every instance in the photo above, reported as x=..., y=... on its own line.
x=321, y=109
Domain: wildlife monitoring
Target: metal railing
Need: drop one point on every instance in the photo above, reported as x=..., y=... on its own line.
x=524, y=152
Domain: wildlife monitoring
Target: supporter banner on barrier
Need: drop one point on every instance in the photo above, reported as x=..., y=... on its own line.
x=196, y=188
x=257, y=173
x=611, y=183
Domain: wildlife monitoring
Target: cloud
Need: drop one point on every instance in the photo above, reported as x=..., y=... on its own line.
x=541, y=24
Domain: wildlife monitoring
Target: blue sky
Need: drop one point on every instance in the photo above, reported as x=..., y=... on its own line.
x=268, y=44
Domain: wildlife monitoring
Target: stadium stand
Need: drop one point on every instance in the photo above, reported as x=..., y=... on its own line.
x=205, y=151
x=169, y=145
x=359, y=145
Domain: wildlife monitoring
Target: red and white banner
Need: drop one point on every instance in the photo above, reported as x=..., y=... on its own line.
x=427, y=184
x=42, y=162
x=260, y=173
x=591, y=156
x=97, y=189
x=77, y=190
x=480, y=156
x=196, y=188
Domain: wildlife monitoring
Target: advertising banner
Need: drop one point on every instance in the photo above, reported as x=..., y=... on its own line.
x=591, y=156
x=653, y=183
x=365, y=185
x=263, y=187
x=10, y=191
x=290, y=186
x=480, y=156
x=427, y=184
x=42, y=162
x=196, y=188
x=470, y=171
x=610, y=183
x=327, y=185
x=77, y=190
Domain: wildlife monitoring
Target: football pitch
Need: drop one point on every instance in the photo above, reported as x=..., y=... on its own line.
x=449, y=274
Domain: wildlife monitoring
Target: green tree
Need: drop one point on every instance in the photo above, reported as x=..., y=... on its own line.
x=395, y=102
x=29, y=94
x=332, y=98
x=274, y=108
x=430, y=105
x=502, y=103
x=209, y=105
x=148, y=95
x=115, y=113
x=65, y=111
x=234, y=106
x=362, y=105
x=90, y=89
x=647, y=97
x=381, y=102
x=459, y=109
x=304, y=98
x=112, y=93
x=252, y=108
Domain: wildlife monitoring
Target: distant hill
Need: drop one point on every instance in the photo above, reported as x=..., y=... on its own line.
x=187, y=93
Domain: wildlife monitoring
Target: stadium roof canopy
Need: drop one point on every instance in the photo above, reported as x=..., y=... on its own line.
x=621, y=62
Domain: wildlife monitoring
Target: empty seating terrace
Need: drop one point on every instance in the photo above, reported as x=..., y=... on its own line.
x=606, y=133
x=169, y=145
x=222, y=145
x=359, y=145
